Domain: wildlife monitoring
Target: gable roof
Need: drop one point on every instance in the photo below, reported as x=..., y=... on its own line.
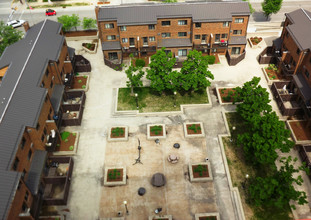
x=21, y=97
x=148, y=14
x=300, y=29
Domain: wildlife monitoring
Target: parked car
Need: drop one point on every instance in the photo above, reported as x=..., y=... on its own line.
x=15, y=23
x=49, y=12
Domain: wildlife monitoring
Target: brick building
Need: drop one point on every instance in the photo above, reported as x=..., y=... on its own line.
x=34, y=71
x=213, y=28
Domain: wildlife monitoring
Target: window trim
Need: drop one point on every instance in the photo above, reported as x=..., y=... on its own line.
x=109, y=26
x=152, y=39
x=122, y=28
x=151, y=27
x=199, y=25
x=182, y=22
x=197, y=36
x=113, y=38
x=239, y=20
x=184, y=34
x=167, y=35
x=125, y=40
x=163, y=23
x=225, y=24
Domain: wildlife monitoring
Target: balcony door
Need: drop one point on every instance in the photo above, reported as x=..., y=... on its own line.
x=132, y=42
x=203, y=38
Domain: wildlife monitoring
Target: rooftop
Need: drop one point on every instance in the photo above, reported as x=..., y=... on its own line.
x=148, y=14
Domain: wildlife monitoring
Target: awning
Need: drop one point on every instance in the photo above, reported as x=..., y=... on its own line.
x=180, y=42
x=111, y=45
x=303, y=86
x=237, y=40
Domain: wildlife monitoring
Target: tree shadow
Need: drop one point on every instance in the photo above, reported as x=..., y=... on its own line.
x=259, y=16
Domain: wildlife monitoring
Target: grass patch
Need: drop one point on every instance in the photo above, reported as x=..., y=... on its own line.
x=239, y=168
x=55, y=5
x=149, y=101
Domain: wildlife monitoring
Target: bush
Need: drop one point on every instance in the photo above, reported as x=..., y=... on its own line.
x=88, y=23
x=211, y=59
x=140, y=63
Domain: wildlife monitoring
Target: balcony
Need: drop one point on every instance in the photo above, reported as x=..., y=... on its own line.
x=73, y=106
x=51, y=142
x=68, y=80
x=57, y=180
x=82, y=64
x=287, y=69
x=131, y=49
x=286, y=97
x=148, y=49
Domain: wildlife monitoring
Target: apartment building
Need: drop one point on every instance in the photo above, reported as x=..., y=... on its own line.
x=34, y=71
x=213, y=28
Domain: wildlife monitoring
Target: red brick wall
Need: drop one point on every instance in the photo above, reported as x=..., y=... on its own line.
x=174, y=28
x=239, y=26
x=105, y=32
x=208, y=29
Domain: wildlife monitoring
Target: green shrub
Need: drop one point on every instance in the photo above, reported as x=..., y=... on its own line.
x=83, y=86
x=71, y=147
x=64, y=135
x=156, y=129
x=85, y=76
x=140, y=63
x=79, y=81
x=195, y=128
x=211, y=59
x=272, y=67
x=117, y=131
x=200, y=169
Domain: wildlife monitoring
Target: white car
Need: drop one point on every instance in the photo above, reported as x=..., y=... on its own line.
x=15, y=23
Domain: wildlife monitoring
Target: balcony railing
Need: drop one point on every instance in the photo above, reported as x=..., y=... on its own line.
x=287, y=69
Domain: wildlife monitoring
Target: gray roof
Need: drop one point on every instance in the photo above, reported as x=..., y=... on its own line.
x=237, y=40
x=57, y=97
x=148, y=14
x=303, y=86
x=7, y=178
x=300, y=30
x=111, y=45
x=179, y=42
x=21, y=96
x=35, y=171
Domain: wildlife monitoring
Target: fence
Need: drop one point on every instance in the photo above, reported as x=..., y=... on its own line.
x=115, y=66
x=234, y=60
x=74, y=107
x=82, y=64
x=266, y=56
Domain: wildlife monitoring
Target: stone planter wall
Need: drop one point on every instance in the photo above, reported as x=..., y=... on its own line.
x=125, y=138
x=158, y=136
x=193, y=135
x=201, y=179
x=116, y=183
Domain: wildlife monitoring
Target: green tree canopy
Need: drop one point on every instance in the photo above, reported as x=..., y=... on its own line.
x=271, y=6
x=8, y=36
x=194, y=72
x=277, y=190
x=89, y=23
x=161, y=66
x=134, y=75
x=69, y=21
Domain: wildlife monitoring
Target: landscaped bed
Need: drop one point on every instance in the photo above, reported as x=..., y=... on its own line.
x=300, y=130
x=273, y=73
x=226, y=94
x=79, y=82
x=155, y=131
x=118, y=133
x=193, y=129
x=200, y=172
x=115, y=176
x=67, y=143
x=256, y=40
x=239, y=168
x=89, y=46
x=148, y=101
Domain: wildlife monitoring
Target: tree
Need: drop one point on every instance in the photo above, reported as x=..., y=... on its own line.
x=265, y=135
x=69, y=21
x=8, y=36
x=161, y=66
x=89, y=23
x=254, y=100
x=169, y=1
x=251, y=9
x=134, y=75
x=277, y=189
x=271, y=6
x=194, y=72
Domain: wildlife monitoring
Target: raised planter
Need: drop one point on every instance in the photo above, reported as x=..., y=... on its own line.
x=193, y=129
x=162, y=217
x=200, y=172
x=118, y=133
x=207, y=216
x=68, y=145
x=156, y=131
x=271, y=76
x=90, y=47
x=80, y=82
x=225, y=95
x=115, y=176
x=299, y=131
x=255, y=42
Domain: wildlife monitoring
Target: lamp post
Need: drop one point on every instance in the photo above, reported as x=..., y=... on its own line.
x=175, y=98
x=125, y=204
x=244, y=183
x=136, y=98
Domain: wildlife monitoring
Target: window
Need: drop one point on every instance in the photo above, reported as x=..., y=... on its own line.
x=24, y=207
x=151, y=27
x=182, y=52
x=225, y=24
x=237, y=32
x=166, y=35
x=45, y=131
x=42, y=137
x=38, y=126
x=19, y=185
x=23, y=174
x=182, y=34
x=111, y=37
x=123, y=28
x=197, y=37
x=50, y=111
x=239, y=20
x=51, y=84
x=166, y=23
x=26, y=196
x=29, y=154
x=235, y=50
x=132, y=42
x=307, y=74
x=182, y=22
x=286, y=34
x=42, y=85
x=124, y=40
x=151, y=39
x=203, y=37
x=224, y=35
x=217, y=37
x=109, y=26
x=167, y=51
x=23, y=143
x=298, y=51
x=15, y=164
x=197, y=25
x=47, y=72
x=145, y=41
x=214, y=50
x=113, y=56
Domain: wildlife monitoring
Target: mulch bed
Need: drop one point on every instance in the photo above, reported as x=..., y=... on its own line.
x=92, y=47
x=119, y=175
x=78, y=85
x=300, y=130
x=255, y=40
x=224, y=93
x=117, y=136
x=197, y=174
x=64, y=145
x=189, y=131
x=208, y=218
x=273, y=75
x=152, y=133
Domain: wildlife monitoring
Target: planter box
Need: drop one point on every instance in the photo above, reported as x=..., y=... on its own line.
x=219, y=95
x=189, y=134
x=204, y=178
x=152, y=135
x=124, y=137
x=296, y=139
x=255, y=46
x=200, y=216
x=69, y=152
x=122, y=176
x=88, y=50
x=162, y=217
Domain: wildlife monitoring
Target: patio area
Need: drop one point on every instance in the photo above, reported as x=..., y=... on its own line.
x=178, y=197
